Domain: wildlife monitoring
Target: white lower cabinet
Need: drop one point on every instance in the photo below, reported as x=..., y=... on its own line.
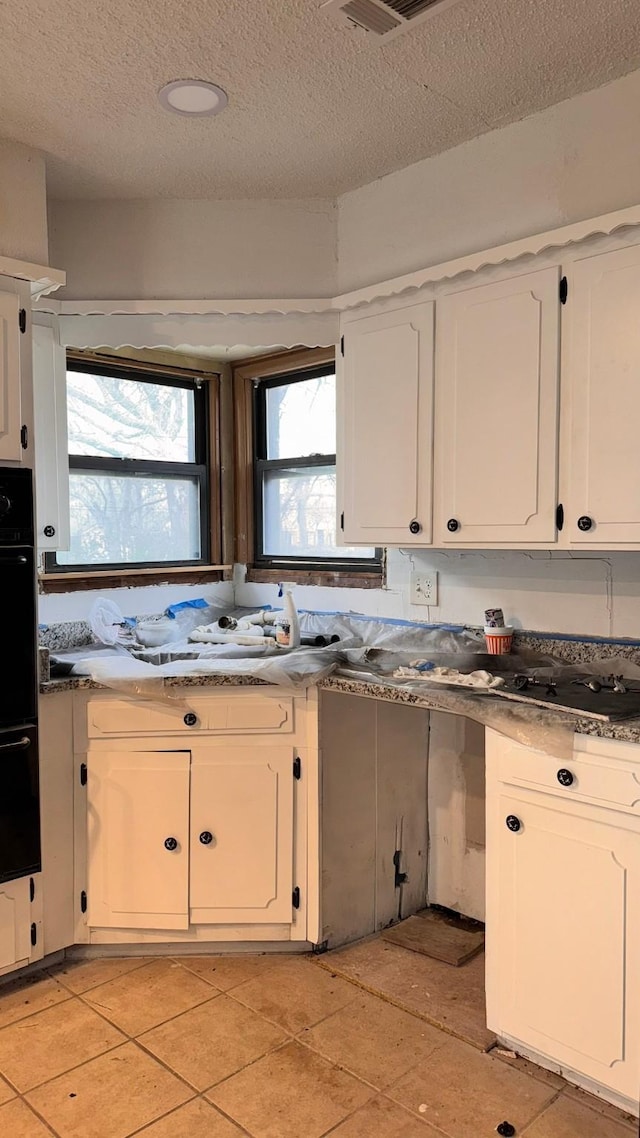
x=185, y=838
x=20, y=923
x=241, y=835
x=563, y=924
x=138, y=839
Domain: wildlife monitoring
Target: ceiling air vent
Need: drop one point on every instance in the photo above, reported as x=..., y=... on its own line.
x=385, y=19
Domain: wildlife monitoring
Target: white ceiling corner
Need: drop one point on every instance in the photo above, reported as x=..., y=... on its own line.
x=316, y=108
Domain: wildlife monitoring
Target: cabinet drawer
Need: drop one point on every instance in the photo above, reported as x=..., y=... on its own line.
x=227, y=715
x=591, y=775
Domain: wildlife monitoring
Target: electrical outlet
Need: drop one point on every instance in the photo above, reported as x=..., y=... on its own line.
x=424, y=588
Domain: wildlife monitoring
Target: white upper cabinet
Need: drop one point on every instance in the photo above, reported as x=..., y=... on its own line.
x=50, y=423
x=496, y=443
x=602, y=369
x=385, y=448
x=10, y=395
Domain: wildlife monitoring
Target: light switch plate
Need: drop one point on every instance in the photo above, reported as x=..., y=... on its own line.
x=424, y=588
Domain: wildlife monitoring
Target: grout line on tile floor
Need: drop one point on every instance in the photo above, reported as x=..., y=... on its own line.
x=100, y=1009
x=51, y=972
x=175, y=1109
x=40, y=1117
x=70, y=1070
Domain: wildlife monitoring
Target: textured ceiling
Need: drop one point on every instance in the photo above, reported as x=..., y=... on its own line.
x=316, y=108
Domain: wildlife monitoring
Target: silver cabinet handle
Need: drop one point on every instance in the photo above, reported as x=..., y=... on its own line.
x=19, y=745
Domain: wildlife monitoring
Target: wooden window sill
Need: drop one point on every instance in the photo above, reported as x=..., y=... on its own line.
x=340, y=579
x=123, y=578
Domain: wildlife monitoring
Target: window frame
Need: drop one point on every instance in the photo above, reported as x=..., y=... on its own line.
x=202, y=469
x=252, y=380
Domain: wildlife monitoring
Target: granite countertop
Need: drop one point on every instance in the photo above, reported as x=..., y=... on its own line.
x=373, y=688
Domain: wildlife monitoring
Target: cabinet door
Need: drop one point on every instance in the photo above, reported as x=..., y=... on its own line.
x=603, y=369
x=563, y=968
x=15, y=924
x=50, y=429
x=10, y=397
x=138, y=807
x=497, y=412
x=387, y=434
x=242, y=835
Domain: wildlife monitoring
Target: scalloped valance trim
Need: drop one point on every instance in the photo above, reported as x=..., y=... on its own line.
x=602, y=226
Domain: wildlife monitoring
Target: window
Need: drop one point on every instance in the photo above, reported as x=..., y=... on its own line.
x=138, y=469
x=294, y=430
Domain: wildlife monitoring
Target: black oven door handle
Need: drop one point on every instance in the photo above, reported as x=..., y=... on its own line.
x=12, y=560
x=19, y=745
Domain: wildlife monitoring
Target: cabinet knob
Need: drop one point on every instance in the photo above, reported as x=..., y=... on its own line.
x=49, y=531
x=565, y=778
x=415, y=526
x=190, y=719
x=171, y=843
x=206, y=837
x=513, y=823
x=585, y=523
x=453, y=525
x=506, y=1129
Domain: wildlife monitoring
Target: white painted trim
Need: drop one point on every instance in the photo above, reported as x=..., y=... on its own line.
x=43, y=278
x=560, y=237
x=198, y=307
x=604, y=225
x=185, y=331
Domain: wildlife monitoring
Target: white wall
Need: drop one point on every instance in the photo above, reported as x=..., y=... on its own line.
x=140, y=601
x=594, y=594
x=572, y=161
x=23, y=204
x=189, y=249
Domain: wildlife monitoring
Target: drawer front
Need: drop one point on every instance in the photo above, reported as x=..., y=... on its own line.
x=228, y=716
x=589, y=777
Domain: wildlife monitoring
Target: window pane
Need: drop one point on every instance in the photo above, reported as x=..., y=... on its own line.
x=124, y=418
x=301, y=418
x=127, y=518
x=300, y=514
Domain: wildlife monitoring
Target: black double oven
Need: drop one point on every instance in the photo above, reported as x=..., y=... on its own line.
x=19, y=796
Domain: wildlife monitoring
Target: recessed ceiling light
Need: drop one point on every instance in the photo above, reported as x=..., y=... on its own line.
x=192, y=97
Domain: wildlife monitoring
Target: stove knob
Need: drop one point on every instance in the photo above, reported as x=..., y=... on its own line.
x=565, y=778
x=585, y=523
x=513, y=823
x=5, y=505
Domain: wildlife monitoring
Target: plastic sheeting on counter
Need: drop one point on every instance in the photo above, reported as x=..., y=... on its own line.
x=366, y=656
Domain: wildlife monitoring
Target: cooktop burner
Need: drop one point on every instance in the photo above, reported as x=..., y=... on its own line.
x=607, y=698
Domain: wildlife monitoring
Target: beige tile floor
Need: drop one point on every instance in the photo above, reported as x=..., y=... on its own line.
x=271, y=1047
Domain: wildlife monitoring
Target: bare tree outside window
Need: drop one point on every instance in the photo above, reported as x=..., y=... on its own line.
x=295, y=471
x=137, y=481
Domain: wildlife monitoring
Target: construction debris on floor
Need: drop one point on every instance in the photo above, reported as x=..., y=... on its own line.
x=272, y=1047
x=454, y=940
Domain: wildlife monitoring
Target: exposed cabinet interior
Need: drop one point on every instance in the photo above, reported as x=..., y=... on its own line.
x=374, y=758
